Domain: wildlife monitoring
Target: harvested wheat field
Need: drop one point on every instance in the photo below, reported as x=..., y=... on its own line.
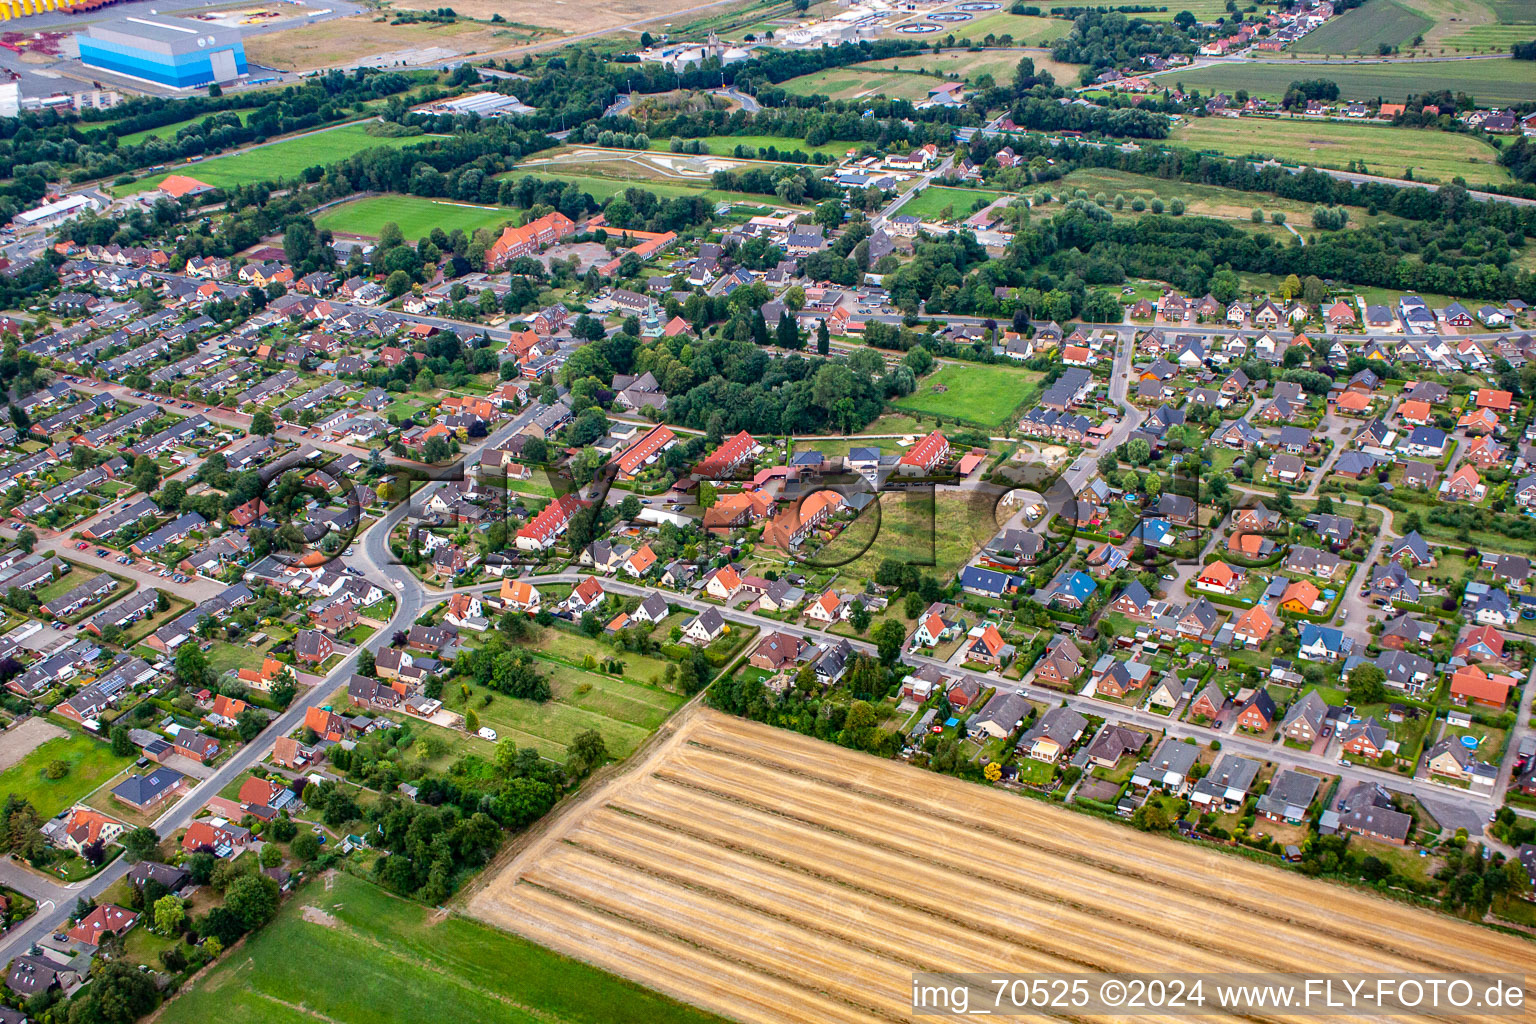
x=770, y=877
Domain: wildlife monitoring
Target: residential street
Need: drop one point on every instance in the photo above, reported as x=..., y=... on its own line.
x=376, y=563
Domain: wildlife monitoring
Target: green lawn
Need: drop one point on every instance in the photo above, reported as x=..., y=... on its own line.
x=938, y=203
x=983, y=395
x=999, y=62
x=276, y=160
x=938, y=538
x=603, y=189
x=1205, y=10
x=569, y=646
x=1491, y=81
x=399, y=954
x=416, y=216
x=90, y=764
x=169, y=131
x=850, y=83
x=725, y=145
x=624, y=711
x=223, y=657
x=1216, y=201
x=1432, y=155
x=1024, y=29
x=1367, y=27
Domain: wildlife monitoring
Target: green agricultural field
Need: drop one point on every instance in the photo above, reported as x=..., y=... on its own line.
x=1026, y=31
x=90, y=761
x=973, y=393
x=725, y=145
x=1368, y=27
x=1205, y=10
x=169, y=131
x=1491, y=38
x=416, y=216
x=969, y=64
x=1205, y=200
x=400, y=954
x=961, y=202
x=1490, y=81
x=276, y=160
x=850, y=83
x=1431, y=155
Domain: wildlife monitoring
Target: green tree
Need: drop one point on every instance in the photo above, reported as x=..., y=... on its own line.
x=471, y=720
x=889, y=636
x=119, y=993
x=305, y=846
x=262, y=425
x=142, y=843
x=859, y=617
x=26, y=540
x=1367, y=684
x=787, y=334
x=170, y=915
x=586, y=752
x=191, y=667
x=122, y=746
x=823, y=339
x=253, y=899
x=830, y=214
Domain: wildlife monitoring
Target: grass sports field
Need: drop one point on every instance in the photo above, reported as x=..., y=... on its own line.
x=961, y=202
x=90, y=764
x=987, y=394
x=1432, y=155
x=416, y=216
x=1490, y=81
x=401, y=954
x=275, y=160
x=1373, y=24
x=739, y=867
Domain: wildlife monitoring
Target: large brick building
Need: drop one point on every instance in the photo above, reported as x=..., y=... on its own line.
x=535, y=236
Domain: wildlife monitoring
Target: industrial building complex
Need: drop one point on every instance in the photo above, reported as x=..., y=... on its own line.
x=165, y=51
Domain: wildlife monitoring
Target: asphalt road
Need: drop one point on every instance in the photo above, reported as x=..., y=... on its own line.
x=376, y=563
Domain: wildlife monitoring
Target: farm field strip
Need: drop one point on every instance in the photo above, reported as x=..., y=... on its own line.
x=708, y=872
x=1166, y=864
x=1365, y=28
x=1491, y=81
x=1385, y=149
x=1092, y=885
